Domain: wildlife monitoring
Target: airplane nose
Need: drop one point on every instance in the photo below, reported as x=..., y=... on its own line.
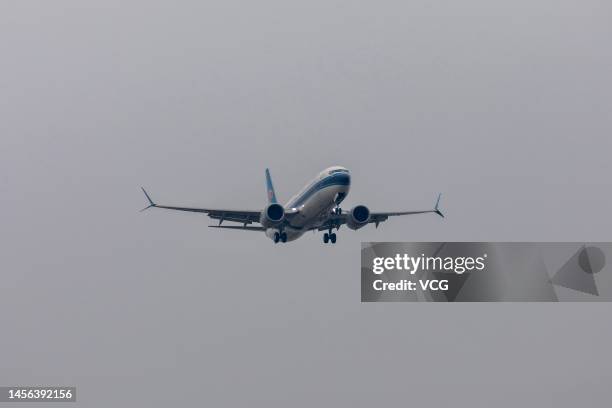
x=344, y=178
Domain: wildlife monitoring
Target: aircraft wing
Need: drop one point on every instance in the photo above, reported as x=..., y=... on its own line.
x=336, y=220
x=238, y=227
x=242, y=216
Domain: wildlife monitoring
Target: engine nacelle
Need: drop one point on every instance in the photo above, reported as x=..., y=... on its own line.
x=272, y=215
x=358, y=217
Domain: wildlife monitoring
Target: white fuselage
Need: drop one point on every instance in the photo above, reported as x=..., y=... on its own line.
x=315, y=201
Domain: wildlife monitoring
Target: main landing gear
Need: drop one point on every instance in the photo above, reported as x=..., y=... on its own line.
x=280, y=236
x=329, y=237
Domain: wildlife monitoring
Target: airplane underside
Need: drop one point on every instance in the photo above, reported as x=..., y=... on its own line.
x=315, y=208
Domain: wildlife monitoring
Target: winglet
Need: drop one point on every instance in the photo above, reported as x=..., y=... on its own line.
x=436, y=209
x=270, y=188
x=151, y=203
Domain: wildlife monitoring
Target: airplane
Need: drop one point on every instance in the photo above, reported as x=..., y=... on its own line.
x=314, y=208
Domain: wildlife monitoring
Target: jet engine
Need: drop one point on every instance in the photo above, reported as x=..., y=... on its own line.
x=272, y=215
x=358, y=217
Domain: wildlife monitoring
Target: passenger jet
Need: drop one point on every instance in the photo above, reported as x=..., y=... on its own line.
x=315, y=208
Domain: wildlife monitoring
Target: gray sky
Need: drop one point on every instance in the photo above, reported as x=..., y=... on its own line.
x=502, y=106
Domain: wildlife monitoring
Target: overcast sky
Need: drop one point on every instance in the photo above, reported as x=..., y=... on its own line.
x=503, y=106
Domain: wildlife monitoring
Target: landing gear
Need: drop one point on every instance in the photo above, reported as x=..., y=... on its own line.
x=338, y=211
x=329, y=237
x=280, y=236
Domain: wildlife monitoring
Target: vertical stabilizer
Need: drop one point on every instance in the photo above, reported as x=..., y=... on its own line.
x=270, y=188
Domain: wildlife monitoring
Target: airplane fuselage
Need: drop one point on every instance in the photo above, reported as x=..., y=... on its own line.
x=315, y=201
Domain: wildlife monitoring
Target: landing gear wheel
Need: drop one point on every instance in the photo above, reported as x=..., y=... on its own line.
x=283, y=237
x=326, y=237
x=332, y=237
x=276, y=237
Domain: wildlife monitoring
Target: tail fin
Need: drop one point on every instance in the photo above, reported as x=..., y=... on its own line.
x=270, y=188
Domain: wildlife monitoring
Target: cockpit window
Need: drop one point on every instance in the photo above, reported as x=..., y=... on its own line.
x=338, y=171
